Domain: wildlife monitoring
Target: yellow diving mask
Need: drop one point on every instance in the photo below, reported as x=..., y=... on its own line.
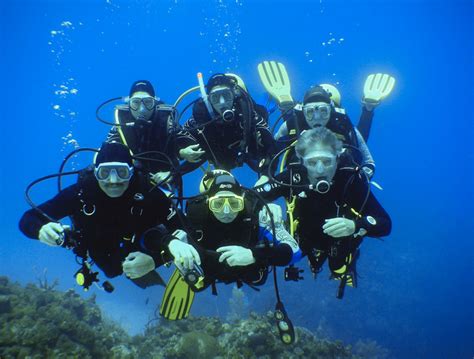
x=234, y=202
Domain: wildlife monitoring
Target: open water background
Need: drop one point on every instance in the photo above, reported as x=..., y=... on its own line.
x=61, y=59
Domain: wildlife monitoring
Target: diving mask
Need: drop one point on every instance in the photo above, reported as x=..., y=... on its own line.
x=122, y=170
x=317, y=113
x=148, y=102
x=222, y=99
x=235, y=203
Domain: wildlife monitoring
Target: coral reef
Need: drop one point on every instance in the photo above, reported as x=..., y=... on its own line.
x=255, y=337
x=40, y=322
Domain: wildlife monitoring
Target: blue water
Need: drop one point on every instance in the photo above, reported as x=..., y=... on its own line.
x=415, y=295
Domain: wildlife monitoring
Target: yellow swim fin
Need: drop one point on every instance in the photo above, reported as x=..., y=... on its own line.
x=377, y=87
x=276, y=81
x=178, y=298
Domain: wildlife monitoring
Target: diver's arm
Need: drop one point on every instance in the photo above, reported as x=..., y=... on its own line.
x=280, y=251
x=165, y=246
x=365, y=123
x=374, y=220
x=168, y=214
x=64, y=204
x=190, y=127
x=171, y=225
x=367, y=159
x=187, y=167
x=269, y=150
x=183, y=140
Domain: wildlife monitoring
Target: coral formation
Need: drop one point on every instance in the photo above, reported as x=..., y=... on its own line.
x=254, y=337
x=41, y=322
x=44, y=323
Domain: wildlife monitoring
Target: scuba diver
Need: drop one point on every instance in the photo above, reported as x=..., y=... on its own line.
x=234, y=237
x=330, y=206
x=230, y=126
x=114, y=212
x=316, y=110
x=147, y=124
x=322, y=107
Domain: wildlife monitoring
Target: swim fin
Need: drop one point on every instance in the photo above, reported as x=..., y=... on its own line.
x=377, y=87
x=178, y=298
x=149, y=280
x=276, y=81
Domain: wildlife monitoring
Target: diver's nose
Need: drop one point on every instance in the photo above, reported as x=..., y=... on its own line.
x=113, y=177
x=226, y=209
x=320, y=167
x=221, y=100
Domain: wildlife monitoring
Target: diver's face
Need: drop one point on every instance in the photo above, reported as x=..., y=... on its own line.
x=222, y=100
x=142, y=106
x=114, y=186
x=317, y=113
x=321, y=163
x=226, y=215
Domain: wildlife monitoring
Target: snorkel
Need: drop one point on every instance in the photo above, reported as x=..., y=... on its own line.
x=204, y=95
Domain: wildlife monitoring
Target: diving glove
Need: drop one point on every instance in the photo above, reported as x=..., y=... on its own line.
x=191, y=153
x=339, y=227
x=137, y=264
x=376, y=88
x=276, y=81
x=52, y=234
x=236, y=255
x=184, y=254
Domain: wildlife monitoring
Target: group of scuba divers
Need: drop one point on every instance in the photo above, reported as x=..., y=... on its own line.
x=128, y=213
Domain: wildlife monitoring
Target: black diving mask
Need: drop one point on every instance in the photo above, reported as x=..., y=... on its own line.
x=148, y=102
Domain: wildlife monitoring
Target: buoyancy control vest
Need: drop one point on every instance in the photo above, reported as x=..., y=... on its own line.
x=159, y=135
x=94, y=210
x=242, y=231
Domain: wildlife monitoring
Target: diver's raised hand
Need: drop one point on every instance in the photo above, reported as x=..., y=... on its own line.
x=137, y=264
x=376, y=88
x=184, y=254
x=339, y=227
x=236, y=255
x=52, y=234
x=191, y=153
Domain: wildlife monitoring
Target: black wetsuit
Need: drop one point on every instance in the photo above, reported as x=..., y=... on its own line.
x=230, y=144
x=348, y=191
x=116, y=227
x=365, y=123
x=162, y=135
x=246, y=231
